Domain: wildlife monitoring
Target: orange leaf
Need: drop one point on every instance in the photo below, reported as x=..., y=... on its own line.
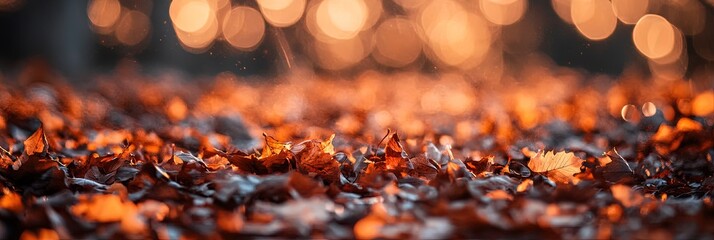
x=273, y=146
x=394, y=154
x=36, y=143
x=560, y=166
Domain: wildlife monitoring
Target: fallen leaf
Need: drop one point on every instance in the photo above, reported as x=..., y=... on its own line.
x=216, y=162
x=273, y=146
x=314, y=161
x=394, y=154
x=327, y=146
x=424, y=167
x=560, y=166
x=614, y=167
x=36, y=143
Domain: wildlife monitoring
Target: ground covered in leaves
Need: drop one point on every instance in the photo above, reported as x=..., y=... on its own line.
x=144, y=158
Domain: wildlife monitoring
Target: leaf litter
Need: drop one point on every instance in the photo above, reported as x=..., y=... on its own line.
x=128, y=169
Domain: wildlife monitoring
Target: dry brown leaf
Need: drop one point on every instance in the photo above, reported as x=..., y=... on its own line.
x=560, y=166
x=614, y=167
x=36, y=143
x=314, y=157
x=327, y=146
x=394, y=154
x=216, y=162
x=273, y=146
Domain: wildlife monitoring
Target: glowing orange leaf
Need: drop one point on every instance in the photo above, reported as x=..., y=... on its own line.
x=273, y=146
x=560, y=166
x=36, y=143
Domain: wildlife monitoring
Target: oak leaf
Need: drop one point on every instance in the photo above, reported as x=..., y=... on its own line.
x=560, y=166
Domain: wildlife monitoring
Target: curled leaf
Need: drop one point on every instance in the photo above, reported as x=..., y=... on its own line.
x=36, y=143
x=313, y=160
x=394, y=154
x=274, y=147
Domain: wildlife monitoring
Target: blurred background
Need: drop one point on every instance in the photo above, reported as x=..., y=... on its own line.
x=671, y=39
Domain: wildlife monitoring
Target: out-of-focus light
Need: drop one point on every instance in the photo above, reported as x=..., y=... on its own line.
x=562, y=8
x=649, y=109
x=524, y=36
x=593, y=18
x=629, y=11
x=133, y=27
x=455, y=36
x=690, y=16
x=199, y=41
x=243, y=28
x=669, y=71
x=282, y=13
x=104, y=14
x=275, y=4
x=503, y=12
x=338, y=54
x=374, y=12
x=629, y=113
x=397, y=43
x=341, y=19
x=702, y=42
x=703, y=104
x=411, y=4
x=196, y=22
x=654, y=36
x=191, y=15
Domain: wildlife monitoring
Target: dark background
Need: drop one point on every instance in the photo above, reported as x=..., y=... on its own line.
x=59, y=33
